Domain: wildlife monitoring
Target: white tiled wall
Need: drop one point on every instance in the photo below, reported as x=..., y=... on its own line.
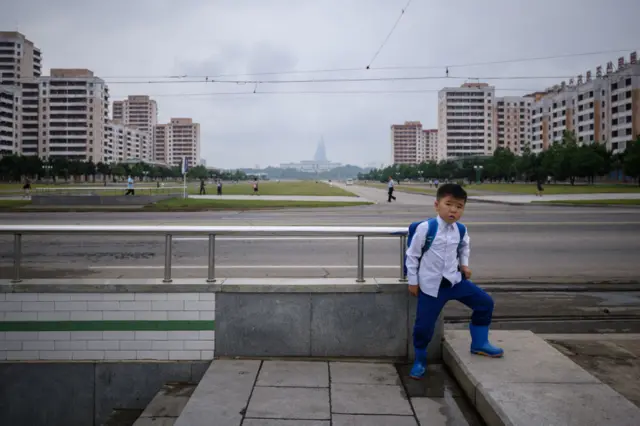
x=106, y=345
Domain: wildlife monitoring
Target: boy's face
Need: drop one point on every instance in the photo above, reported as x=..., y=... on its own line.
x=450, y=209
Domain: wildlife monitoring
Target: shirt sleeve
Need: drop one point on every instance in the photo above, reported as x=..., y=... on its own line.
x=415, y=251
x=465, y=250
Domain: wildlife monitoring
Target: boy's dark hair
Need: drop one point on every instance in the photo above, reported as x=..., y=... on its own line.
x=454, y=190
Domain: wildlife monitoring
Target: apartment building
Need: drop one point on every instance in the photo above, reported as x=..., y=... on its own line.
x=466, y=126
x=623, y=107
x=604, y=109
x=73, y=111
x=9, y=120
x=138, y=112
x=513, y=123
x=429, y=146
x=178, y=139
x=19, y=58
x=406, y=142
x=126, y=143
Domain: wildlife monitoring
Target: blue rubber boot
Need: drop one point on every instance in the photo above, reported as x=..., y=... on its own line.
x=480, y=342
x=419, y=365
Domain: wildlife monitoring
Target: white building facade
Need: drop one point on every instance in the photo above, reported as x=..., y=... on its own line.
x=466, y=124
x=604, y=109
x=178, y=139
x=126, y=143
x=10, y=120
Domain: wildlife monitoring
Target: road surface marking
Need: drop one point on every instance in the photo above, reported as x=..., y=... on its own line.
x=246, y=267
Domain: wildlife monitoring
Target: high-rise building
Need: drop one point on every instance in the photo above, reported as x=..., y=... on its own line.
x=19, y=58
x=406, y=142
x=604, y=109
x=513, y=123
x=138, y=112
x=10, y=107
x=178, y=139
x=73, y=111
x=429, y=147
x=465, y=123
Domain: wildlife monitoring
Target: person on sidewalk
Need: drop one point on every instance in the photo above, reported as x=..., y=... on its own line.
x=219, y=186
x=130, y=189
x=203, y=191
x=437, y=262
x=390, y=187
x=539, y=189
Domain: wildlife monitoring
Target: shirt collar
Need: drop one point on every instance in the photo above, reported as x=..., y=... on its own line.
x=441, y=222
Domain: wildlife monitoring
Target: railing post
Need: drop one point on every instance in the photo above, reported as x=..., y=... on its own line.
x=167, y=259
x=212, y=259
x=403, y=244
x=360, y=278
x=17, y=257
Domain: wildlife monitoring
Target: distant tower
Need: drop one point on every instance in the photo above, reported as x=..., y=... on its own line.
x=321, y=153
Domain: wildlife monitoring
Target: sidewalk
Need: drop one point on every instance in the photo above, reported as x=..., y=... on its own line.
x=308, y=393
x=527, y=199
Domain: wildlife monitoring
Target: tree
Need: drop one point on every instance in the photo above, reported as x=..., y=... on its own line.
x=631, y=164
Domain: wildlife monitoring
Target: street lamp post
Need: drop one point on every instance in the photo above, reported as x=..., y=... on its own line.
x=478, y=170
x=47, y=169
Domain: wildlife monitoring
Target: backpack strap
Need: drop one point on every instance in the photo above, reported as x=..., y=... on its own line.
x=463, y=231
x=431, y=235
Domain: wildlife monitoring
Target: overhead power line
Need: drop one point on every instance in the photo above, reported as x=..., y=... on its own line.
x=387, y=68
x=314, y=92
x=344, y=80
x=389, y=35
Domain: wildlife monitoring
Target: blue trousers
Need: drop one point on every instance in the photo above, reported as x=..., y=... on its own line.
x=429, y=309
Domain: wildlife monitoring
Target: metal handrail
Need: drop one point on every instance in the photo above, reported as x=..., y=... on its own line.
x=212, y=231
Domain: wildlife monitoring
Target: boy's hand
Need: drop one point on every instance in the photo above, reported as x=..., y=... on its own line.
x=413, y=290
x=466, y=271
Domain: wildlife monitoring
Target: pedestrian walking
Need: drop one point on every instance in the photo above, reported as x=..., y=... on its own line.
x=203, y=191
x=390, y=187
x=539, y=188
x=219, y=186
x=130, y=190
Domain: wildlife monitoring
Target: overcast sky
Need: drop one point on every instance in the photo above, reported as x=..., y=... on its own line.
x=154, y=38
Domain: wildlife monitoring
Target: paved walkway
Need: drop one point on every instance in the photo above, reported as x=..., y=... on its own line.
x=526, y=199
x=307, y=393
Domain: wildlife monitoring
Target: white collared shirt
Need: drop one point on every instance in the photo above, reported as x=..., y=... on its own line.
x=440, y=261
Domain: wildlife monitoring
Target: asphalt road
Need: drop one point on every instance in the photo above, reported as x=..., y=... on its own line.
x=509, y=243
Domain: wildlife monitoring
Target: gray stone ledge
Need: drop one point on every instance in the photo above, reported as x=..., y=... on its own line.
x=200, y=285
x=534, y=384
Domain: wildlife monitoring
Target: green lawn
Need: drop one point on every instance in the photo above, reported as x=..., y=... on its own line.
x=13, y=204
x=275, y=188
x=521, y=188
x=190, y=204
x=403, y=187
x=621, y=202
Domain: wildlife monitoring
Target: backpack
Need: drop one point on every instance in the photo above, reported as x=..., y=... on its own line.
x=431, y=234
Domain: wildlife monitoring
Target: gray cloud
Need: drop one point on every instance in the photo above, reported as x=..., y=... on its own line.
x=202, y=37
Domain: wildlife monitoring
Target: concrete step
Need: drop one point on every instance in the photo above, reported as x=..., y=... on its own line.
x=165, y=408
x=534, y=384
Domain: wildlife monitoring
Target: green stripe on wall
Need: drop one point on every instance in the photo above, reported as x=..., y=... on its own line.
x=8, y=326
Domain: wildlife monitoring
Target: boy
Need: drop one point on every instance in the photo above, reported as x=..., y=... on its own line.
x=441, y=274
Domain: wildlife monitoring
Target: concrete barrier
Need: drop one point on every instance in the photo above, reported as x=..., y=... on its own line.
x=98, y=337
x=99, y=200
